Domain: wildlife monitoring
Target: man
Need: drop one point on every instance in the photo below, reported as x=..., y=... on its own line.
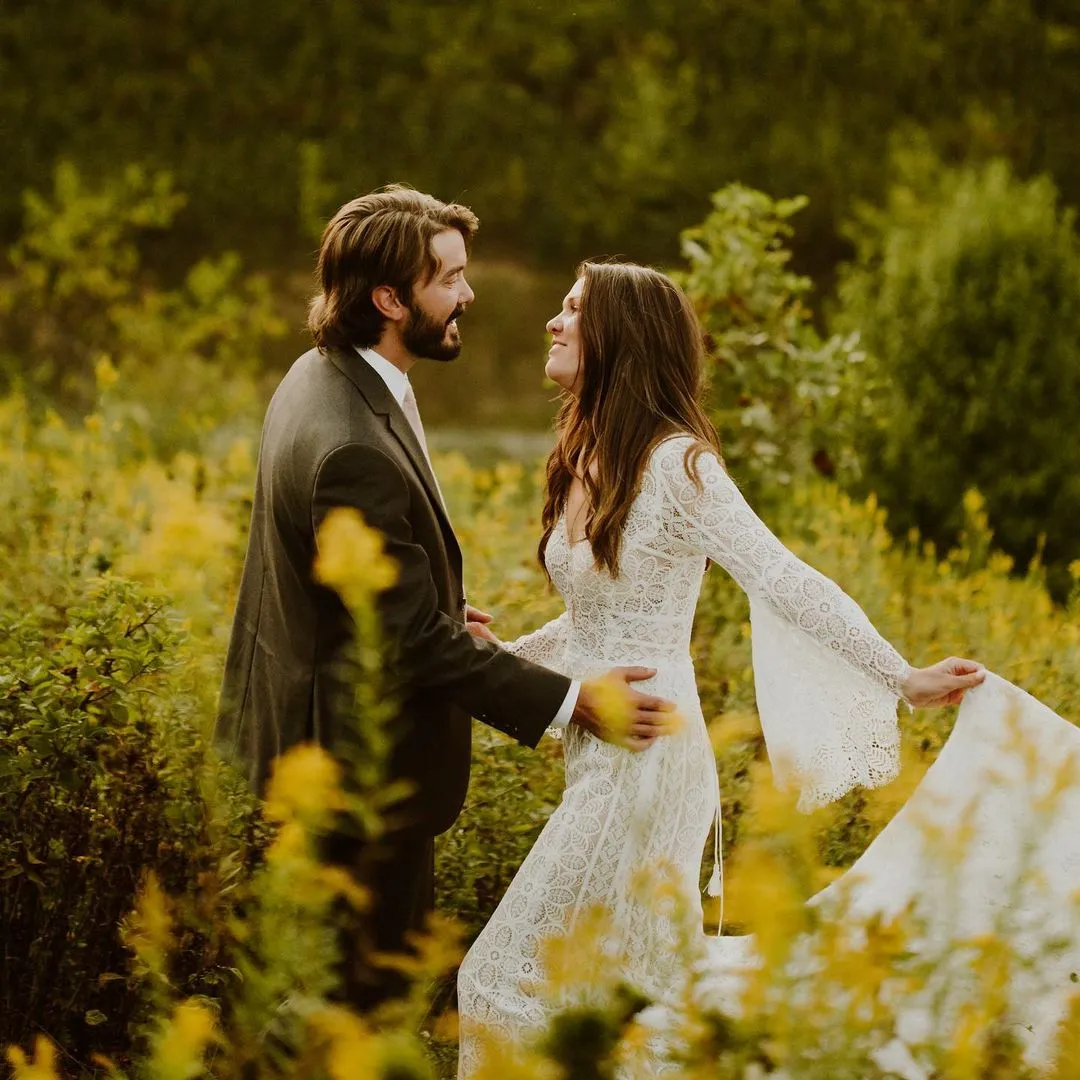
x=343, y=429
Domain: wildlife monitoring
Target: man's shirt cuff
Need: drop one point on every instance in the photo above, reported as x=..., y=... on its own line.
x=563, y=716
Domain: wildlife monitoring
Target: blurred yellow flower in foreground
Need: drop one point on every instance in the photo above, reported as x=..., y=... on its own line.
x=148, y=932
x=501, y=1061
x=305, y=786
x=581, y=958
x=42, y=1066
x=351, y=558
x=734, y=728
x=352, y=1050
x=179, y=1050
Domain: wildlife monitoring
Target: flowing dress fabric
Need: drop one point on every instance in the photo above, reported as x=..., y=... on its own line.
x=988, y=843
x=827, y=686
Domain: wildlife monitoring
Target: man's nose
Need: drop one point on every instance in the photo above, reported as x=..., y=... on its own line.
x=467, y=296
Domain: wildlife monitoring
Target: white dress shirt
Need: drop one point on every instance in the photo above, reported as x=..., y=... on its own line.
x=397, y=382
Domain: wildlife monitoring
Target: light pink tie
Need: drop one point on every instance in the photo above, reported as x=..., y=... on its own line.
x=412, y=414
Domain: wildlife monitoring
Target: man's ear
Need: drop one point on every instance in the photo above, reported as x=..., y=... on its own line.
x=386, y=301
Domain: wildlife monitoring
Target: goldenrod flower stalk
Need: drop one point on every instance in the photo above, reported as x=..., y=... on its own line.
x=351, y=558
x=42, y=1066
x=148, y=930
x=305, y=787
x=612, y=698
x=352, y=1049
x=182, y=1041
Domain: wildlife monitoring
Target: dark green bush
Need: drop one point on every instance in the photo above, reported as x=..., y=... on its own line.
x=967, y=291
x=101, y=780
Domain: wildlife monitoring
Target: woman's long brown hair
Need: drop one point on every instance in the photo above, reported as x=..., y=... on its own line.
x=643, y=368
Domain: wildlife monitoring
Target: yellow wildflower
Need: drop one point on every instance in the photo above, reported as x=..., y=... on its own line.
x=352, y=1050
x=149, y=928
x=579, y=958
x=105, y=373
x=501, y=1061
x=306, y=786
x=42, y=1066
x=1068, y=1045
x=178, y=1054
x=436, y=951
x=965, y=1058
x=973, y=502
x=289, y=846
x=238, y=461
x=351, y=558
x=734, y=728
x=612, y=698
x=340, y=882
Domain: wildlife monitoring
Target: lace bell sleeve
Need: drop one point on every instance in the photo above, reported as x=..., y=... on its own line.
x=827, y=682
x=546, y=646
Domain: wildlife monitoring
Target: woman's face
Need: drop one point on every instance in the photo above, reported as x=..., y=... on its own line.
x=564, y=358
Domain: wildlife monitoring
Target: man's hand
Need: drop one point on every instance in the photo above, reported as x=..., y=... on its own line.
x=476, y=622
x=945, y=683
x=611, y=711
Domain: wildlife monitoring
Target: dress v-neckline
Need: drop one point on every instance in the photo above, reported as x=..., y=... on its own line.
x=570, y=541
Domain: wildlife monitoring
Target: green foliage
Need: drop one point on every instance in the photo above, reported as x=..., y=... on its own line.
x=79, y=298
x=109, y=797
x=572, y=129
x=102, y=770
x=967, y=289
x=104, y=702
x=774, y=381
x=75, y=262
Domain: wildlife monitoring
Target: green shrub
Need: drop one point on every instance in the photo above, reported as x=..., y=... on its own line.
x=967, y=290
x=102, y=774
x=774, y=381
x=104, y=700
x=104, y=704
x=572, y=129
x=79, y=299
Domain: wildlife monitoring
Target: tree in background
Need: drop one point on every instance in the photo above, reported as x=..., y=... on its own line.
x=966, y=287
x=78, y=298
x=776, y=386
x=572, y=129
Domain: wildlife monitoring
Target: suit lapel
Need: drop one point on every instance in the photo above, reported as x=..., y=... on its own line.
x=376, y=393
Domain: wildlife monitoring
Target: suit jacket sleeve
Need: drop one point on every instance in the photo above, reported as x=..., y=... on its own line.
x=430, y=649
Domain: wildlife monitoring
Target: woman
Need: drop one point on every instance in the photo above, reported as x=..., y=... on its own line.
x=637, y=502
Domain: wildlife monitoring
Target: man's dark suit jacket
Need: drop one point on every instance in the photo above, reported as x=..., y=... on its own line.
x=335, y=436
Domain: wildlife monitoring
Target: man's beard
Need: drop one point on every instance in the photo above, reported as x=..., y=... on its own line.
x=428, y=337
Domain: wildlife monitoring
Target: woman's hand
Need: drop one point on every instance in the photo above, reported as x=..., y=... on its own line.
x=945, y=683
x=476, y=622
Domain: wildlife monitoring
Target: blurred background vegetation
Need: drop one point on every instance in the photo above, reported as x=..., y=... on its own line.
x=870, y=205
x=570, y=128
x=598, y=127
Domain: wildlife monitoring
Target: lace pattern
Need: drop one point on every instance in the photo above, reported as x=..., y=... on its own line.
x=621, y=812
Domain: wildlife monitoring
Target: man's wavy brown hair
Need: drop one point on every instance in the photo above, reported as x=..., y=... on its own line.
x=643, y=370
x=379, y=239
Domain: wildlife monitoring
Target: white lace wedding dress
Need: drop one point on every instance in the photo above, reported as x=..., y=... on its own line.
x=827, y=686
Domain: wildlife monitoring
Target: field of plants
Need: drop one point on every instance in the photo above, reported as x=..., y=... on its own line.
x=157, y=923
